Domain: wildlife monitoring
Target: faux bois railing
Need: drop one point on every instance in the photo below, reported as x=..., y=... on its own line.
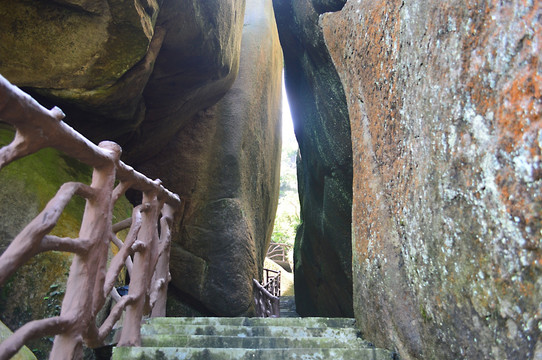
x=267, y=296
x=279, y=254
x=90, y=280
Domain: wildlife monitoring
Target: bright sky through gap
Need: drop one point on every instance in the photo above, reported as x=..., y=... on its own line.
x=288, y=136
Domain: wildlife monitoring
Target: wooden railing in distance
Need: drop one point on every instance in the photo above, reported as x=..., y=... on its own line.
x=90, y=280
x=278, y=252
x=267, y=296
x=271, y=281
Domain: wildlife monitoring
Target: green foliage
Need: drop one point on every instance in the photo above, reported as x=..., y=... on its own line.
x=286, y=220
x=54, y=298
x=287, y=217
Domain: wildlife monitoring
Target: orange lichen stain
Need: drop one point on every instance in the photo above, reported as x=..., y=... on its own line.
x=505, y=178
x=520, y=110
x=518, y=123
x=522, y=97
x=526, y=289
x=438, y=301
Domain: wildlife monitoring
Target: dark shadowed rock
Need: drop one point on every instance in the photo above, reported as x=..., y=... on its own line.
x=322, y=6
x=445, y=106
x=323, y=274
x=224, y=163
x=197, y=64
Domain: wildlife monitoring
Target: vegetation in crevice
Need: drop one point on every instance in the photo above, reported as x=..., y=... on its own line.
x=287, y=218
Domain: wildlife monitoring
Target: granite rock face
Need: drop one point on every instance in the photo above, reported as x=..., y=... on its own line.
x=76, y=45
x=226, y=160
x=94, y=59
x=446, y=113
x=197, y=64
x=322, y=254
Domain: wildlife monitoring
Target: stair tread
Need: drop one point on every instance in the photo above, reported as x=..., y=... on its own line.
x=259, y=342
x=244, y=321
x=236, y=353
x=287, y=331
x=251, y=338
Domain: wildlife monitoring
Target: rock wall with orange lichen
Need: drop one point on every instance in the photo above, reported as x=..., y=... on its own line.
x=445, y=107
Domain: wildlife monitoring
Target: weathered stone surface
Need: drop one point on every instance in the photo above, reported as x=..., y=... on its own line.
x=224, y=165
x=53, y=46
x=323, y=274
x=446, y=112
x=197, y=64
x=87, y=53
x=94, y=59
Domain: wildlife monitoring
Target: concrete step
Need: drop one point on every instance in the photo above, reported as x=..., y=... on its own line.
x=180, y=353
x=287, y=307
x=287, y=302
x=252, y=342
x=245, y=331
x=312, y=322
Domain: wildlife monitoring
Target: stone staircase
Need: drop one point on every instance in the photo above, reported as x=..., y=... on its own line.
x=251, y=338
x=287, y=307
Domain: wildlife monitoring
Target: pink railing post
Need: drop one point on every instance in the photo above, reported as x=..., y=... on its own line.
x=161, y=275
x=141, y=275
x=89, y=269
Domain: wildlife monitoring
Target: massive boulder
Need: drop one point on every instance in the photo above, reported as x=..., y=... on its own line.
x=94, y=59
x=197, y=63
x=446, y=113
x=322, y=254
x=226, y=162
x=91, y=57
